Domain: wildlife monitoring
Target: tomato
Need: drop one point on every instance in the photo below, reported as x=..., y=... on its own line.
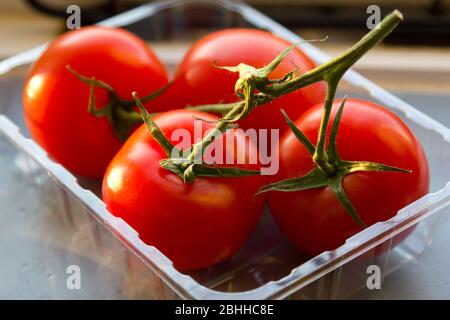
x=55, y=101
x=313, y=219
x=195, y=225
x=198, y=81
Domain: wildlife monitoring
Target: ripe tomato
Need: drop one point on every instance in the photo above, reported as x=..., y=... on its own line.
x=55, y=101
x=197, y=81
x=313, y=219
x=195, y=225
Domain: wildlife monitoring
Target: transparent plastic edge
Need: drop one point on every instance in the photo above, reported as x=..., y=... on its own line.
x=301, y=276
x=160, y=264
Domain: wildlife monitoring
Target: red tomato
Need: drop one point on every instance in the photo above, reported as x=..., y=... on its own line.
x=195, y=225
x=313, y=219
x=55, y=101
x=197, y=81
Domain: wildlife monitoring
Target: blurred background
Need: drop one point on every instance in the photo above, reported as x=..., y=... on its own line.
x=415, y=59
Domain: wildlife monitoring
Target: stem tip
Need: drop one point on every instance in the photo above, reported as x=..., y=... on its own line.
x=398, y=14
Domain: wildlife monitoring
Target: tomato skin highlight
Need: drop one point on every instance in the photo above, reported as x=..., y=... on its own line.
x=55, y=101
x=195, y=225
x=314, y=220
x=198, y=81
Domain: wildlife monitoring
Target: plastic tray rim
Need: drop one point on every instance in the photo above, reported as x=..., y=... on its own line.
x=185, y=286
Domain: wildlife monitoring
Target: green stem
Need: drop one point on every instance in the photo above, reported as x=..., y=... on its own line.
x=339, y=65
x=155, y=131
x=119, y=112
x=220, y=127
x=255, y=88
x=221, y=109
x=129, y=116
x=299, y=134
x=330, y=71
x=320, y=156
x=147, y=98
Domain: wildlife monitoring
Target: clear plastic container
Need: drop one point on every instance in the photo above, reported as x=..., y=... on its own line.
x=50, y=219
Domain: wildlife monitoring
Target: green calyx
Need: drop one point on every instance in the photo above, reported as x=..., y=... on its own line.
x=119, y=112
x=250, y=80
x=188, y=165
x=337, y=168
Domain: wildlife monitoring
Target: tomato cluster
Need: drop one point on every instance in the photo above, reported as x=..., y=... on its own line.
x=79, y=106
